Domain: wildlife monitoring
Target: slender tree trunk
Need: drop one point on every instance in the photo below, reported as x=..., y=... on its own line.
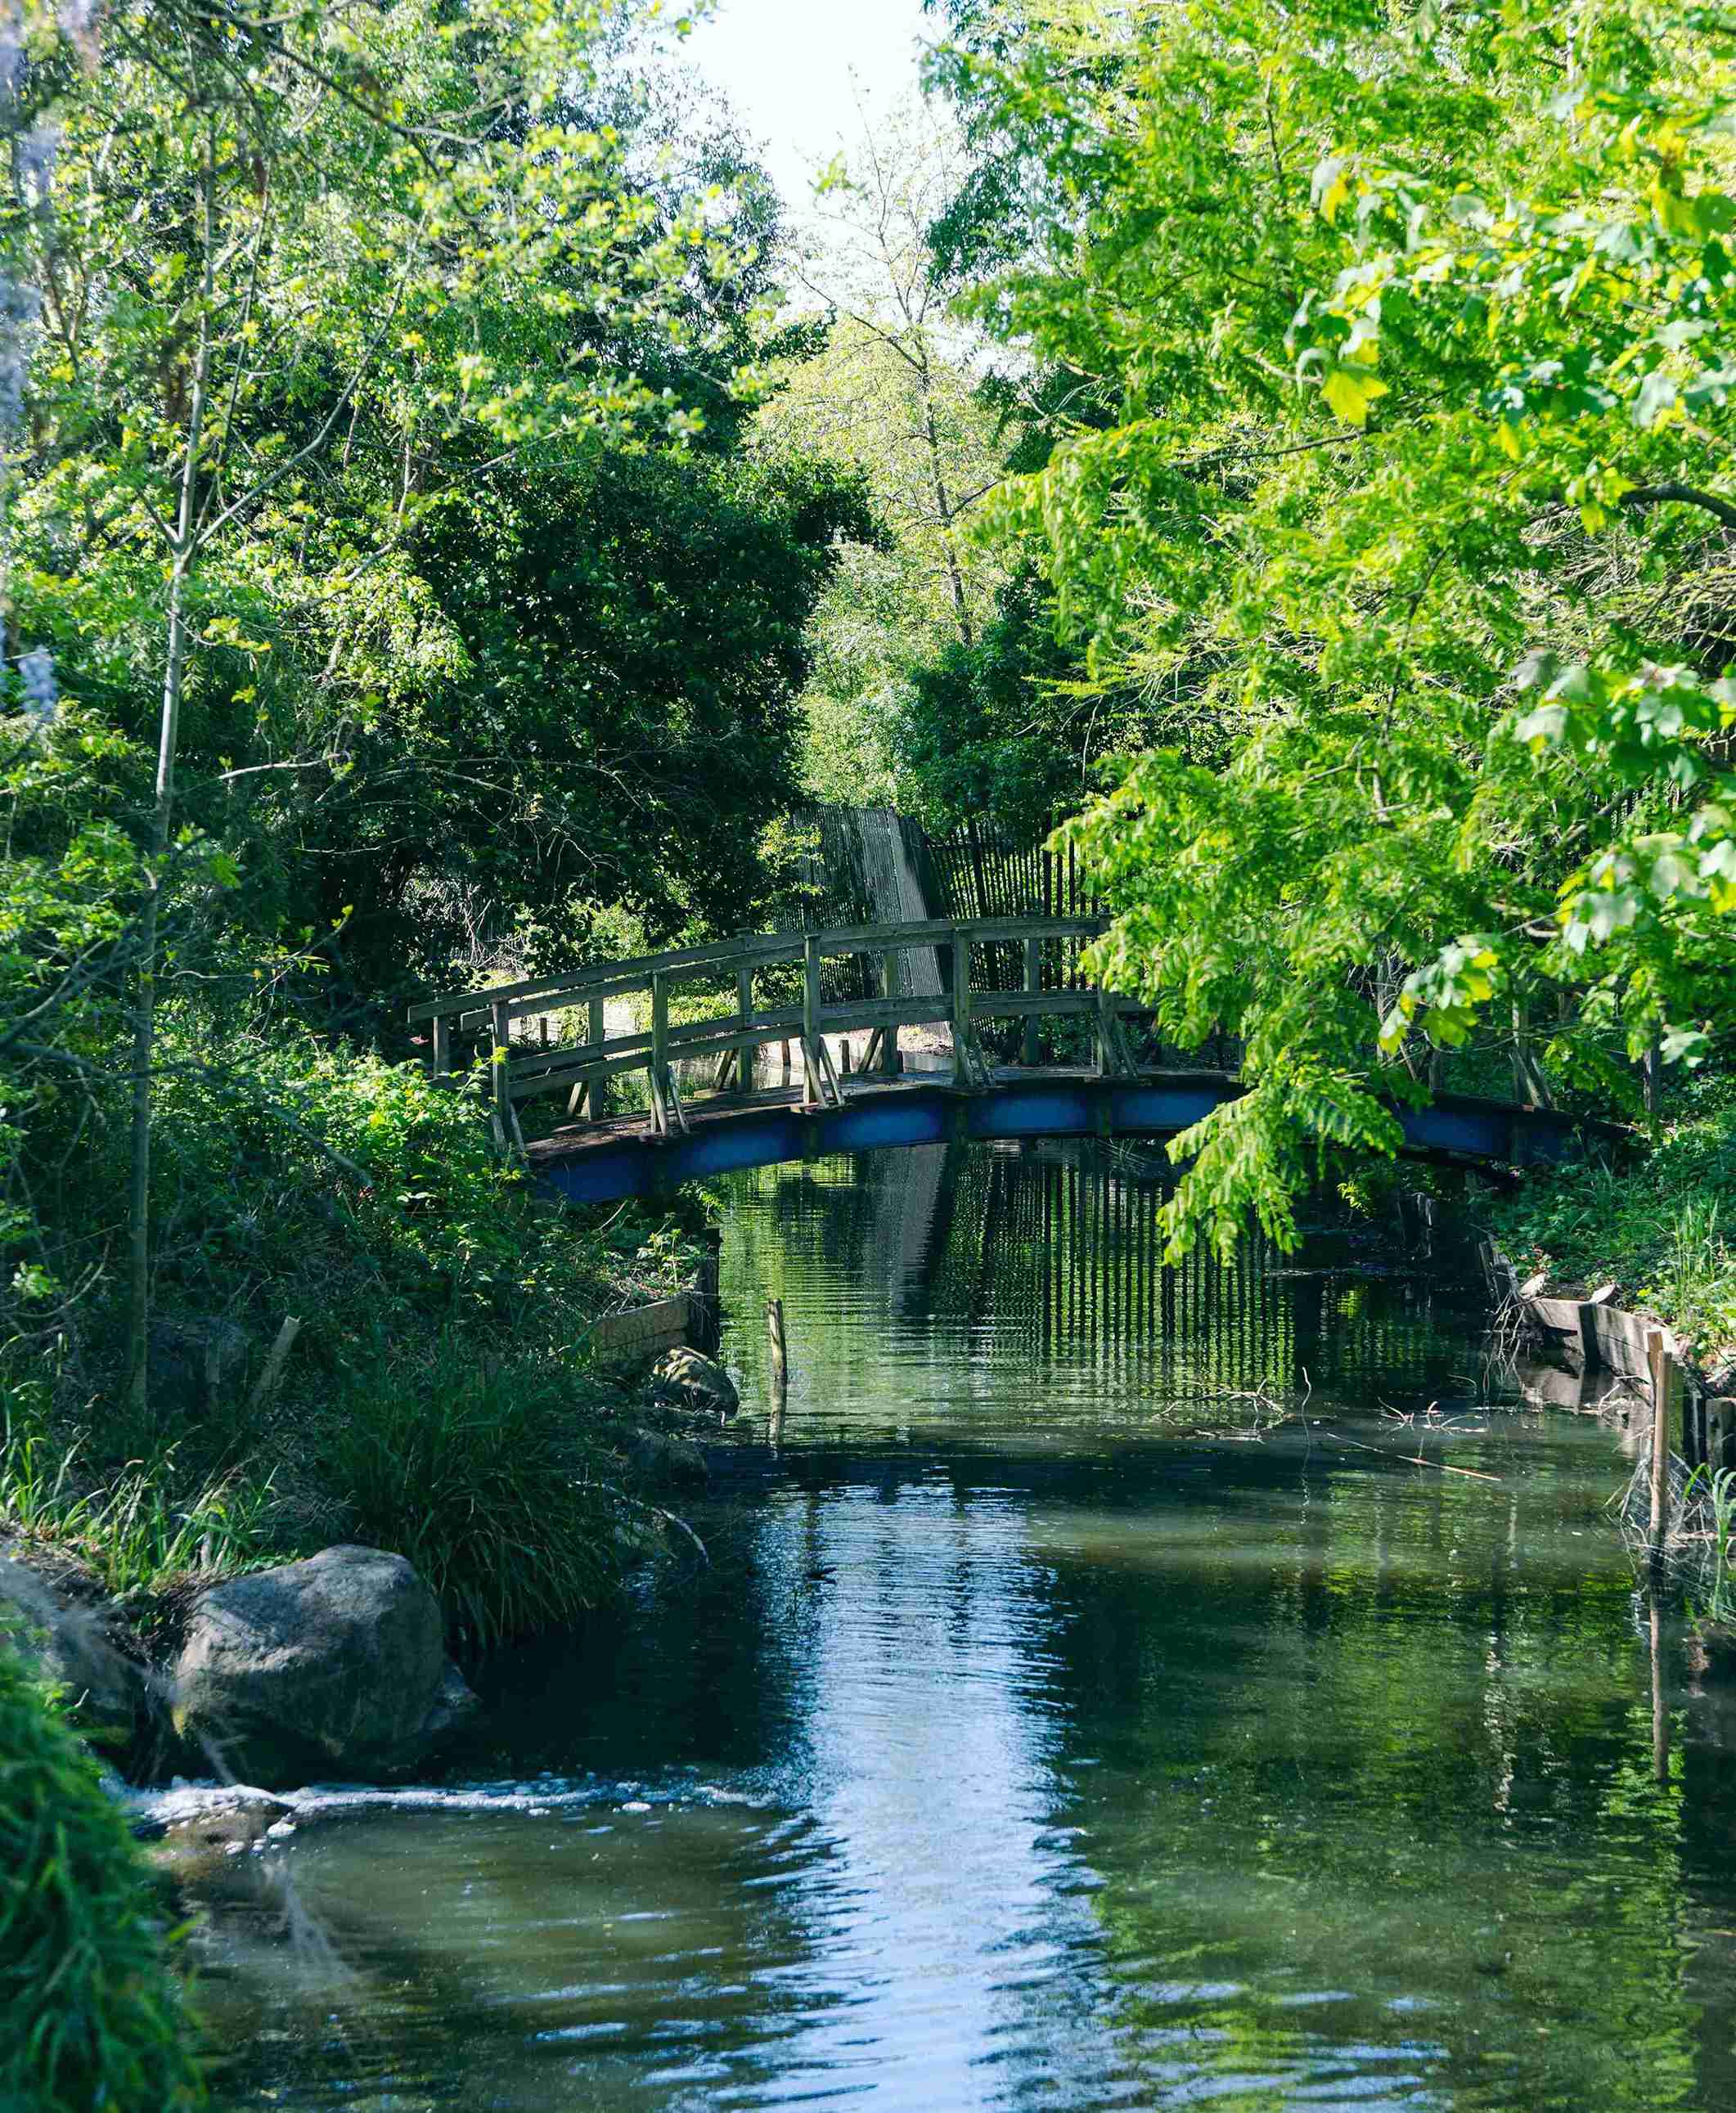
x=182, y=552
x=943, y=507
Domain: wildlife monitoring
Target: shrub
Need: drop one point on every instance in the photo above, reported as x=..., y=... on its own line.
x=91, y=2013
x=485, y=1481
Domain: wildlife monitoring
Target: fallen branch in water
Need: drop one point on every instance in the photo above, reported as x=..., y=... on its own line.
x=1416, y=1459
x=657, y=1512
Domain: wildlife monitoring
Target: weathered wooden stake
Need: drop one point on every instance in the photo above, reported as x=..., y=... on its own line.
x=1664, y=1386
x=442, y=1057
x=1659, y=1709
x=271, y=1374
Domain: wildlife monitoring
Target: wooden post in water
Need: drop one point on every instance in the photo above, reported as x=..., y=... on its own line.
x=1033, y=1046
x=1665, y=1385
x=777, y=1351
x=1659, y=1702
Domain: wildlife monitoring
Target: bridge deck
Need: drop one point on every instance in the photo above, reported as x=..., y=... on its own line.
x=624, y=1155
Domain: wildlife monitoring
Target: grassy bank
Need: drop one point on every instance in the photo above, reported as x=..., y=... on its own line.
x=441, y=1398
x=1661, y=1224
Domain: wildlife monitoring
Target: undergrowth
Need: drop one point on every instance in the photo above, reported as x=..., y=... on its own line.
x=437, y=1401
x=1661, y=1227
x=130, y=1530
x=91, y=2012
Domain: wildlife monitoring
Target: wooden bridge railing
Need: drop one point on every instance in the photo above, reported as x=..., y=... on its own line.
x=1050, y=986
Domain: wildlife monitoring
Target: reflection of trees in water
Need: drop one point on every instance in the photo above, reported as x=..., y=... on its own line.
x=1056, y=1255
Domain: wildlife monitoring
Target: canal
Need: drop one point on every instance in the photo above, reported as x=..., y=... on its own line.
x=1112, y=1687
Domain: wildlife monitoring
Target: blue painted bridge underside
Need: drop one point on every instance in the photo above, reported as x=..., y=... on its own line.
x=599, y=1165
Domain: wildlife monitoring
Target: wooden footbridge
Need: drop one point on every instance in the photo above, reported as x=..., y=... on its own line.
x=711, y=1010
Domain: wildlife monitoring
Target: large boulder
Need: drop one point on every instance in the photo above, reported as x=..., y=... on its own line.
x=686, y=1379
x=333, y=1667
x=72, y=1642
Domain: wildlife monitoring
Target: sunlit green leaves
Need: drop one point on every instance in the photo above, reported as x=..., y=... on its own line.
x=1409, y=369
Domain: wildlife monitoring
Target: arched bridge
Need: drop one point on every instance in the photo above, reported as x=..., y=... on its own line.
x=838, y=1001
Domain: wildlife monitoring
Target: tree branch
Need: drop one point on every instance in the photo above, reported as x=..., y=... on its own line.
x=1682, y=495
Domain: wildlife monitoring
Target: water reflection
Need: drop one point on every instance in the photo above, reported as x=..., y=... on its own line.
x=1057, y=1726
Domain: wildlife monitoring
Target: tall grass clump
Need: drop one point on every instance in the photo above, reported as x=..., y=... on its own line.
x=130, y=1529
x=486, y=1482
x=91, y=2012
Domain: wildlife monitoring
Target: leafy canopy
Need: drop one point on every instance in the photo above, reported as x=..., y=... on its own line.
x=1408, y=334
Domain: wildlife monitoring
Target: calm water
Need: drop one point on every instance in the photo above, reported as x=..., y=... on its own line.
x=1055, y=1727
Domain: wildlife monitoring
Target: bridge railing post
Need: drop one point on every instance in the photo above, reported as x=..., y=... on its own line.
x=596, y=1081
x=888, y=991
x=746, y=1052
x=811, y=1090
x=1032, y=1049
x=659, y=1048
x=960, y=1005
x=440, y=1062
x=500, y=1075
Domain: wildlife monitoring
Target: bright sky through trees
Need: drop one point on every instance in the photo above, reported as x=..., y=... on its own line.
x=793, y=69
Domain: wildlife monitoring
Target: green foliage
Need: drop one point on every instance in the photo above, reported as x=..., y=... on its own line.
x=135, y=1538
x=90, y=2014
x=486, y=1479
x=1401, y=339
x=292, y=1176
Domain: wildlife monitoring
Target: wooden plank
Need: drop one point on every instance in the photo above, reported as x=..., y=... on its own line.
x=639, y=1329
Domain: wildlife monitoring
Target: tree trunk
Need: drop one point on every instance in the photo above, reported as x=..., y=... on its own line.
x=943, y=507
x=182, y=551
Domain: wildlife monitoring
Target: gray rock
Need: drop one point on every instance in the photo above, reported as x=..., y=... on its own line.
x=334, y=1667
x=691, y=1381
x=73, y=1643
x=659, y=1457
